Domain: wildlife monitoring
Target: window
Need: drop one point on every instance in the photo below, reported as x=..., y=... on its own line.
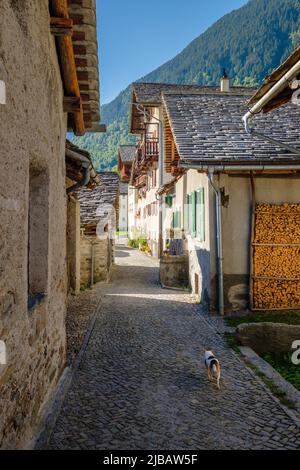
x=200, y=215
x=38, y=236
x=195, y=214
x=177, y=219
x=169, y=201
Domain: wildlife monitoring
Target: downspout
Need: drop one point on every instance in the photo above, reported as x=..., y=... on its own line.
x=219, y=243
x=92, y=263
x=257, y=108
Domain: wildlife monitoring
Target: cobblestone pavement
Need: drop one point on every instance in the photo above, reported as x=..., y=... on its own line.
x=80, y=311
x=141, y=383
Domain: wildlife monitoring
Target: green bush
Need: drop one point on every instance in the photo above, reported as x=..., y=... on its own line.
x=133, y=243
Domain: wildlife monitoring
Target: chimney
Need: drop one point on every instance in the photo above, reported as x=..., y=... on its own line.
x=225, y=82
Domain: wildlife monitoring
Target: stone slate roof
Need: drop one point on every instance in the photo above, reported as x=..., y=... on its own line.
x=209, y=128
x=123, y=188
x=127, y=153
x=95, y=204
x=151, y=93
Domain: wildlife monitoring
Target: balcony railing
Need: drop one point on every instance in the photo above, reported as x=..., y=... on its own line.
x=141, y=181
x=148, y=150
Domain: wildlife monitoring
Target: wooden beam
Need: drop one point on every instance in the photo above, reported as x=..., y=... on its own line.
x=79, y=49
x=68, y=67
x=78, y=36
x=61, y=26
x=78, y=19
x=83, y=76
x=72, y=104
x=80, y=62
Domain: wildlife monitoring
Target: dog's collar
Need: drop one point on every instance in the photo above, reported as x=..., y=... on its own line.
x=210, y=357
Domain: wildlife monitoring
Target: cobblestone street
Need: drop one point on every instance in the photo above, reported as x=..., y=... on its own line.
x=141, y=383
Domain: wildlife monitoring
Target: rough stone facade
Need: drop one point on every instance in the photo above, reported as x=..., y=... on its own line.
x=33, y=219
x=174, y=271
x=73, y=243
x=103, y=258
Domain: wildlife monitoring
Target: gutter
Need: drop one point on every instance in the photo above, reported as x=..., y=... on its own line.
x=258, y=107
x=256, y=167
x=88, y=170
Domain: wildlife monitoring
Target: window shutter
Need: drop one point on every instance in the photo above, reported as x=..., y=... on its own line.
x=193, y=203
x=200, y=218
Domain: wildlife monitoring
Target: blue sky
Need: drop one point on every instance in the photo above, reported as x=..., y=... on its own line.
x=137, y=36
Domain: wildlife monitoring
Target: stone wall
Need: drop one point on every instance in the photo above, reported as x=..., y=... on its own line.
x=174, y=271
x=268, y=337
x=103, y=258
x=73, y=243
x=32, y=135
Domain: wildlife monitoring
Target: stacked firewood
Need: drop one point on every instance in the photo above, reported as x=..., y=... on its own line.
x=276, y=261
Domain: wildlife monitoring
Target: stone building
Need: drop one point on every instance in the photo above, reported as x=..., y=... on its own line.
x=99, y=213
x=49, y=71
x=80, y=172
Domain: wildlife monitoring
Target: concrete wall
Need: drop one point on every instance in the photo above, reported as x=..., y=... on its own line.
x=198, y=251
x=236, y=224
x=32, y=135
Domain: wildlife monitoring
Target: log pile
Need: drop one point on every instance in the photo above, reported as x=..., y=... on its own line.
x=276, y=256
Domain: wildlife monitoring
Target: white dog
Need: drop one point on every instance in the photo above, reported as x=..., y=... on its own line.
x=213, y=367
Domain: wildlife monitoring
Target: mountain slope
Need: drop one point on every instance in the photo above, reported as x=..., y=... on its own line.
x=249, y=42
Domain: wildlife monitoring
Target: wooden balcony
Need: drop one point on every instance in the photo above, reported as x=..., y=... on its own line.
x=148, y=150
x=140, y=181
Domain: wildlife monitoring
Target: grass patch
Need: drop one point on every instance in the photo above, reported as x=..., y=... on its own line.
x=277, y=392
x=121, y=233
x=231, y=341
x=280, y=361
x=283, y=364
x=289, y=317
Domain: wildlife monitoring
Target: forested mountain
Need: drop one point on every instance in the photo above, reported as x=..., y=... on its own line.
x=249, y=42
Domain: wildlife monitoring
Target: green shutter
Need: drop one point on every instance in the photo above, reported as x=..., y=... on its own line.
x=193, y=202
x=177, y=219
x=200, y=218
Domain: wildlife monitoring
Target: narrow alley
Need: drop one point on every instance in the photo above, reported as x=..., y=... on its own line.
x=141, y=383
